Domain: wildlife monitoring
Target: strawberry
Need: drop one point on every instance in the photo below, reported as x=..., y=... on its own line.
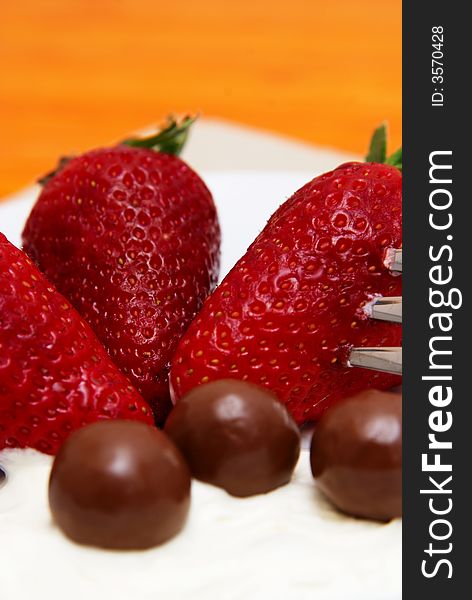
x=288, y=313
x=54, y=374
x=130, y=236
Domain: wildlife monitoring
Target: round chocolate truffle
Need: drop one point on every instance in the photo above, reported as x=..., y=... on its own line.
x=237, y=436
x=119, y=485
x=3, y=476
x=356, y=455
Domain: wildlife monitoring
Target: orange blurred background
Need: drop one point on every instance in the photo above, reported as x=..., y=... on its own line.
x=80, y=73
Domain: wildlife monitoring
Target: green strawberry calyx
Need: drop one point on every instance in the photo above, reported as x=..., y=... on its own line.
x=378, y=149
x=170, y=138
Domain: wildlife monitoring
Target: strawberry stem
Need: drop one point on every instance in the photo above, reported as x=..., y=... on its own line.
x=169, y=139
x=378, y=149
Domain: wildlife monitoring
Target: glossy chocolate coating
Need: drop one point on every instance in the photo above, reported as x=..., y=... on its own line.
x=237, y=436
x=3, y=476
x=356, y=455
x=119, y=485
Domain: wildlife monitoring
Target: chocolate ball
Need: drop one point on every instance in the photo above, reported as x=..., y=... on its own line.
x=237, y=436
x=3, y=476
x=356, y=455
x=119, y=485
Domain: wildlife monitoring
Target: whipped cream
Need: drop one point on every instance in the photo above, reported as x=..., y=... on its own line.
x=290, y=543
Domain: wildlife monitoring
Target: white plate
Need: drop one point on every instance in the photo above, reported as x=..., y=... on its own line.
x=245, y=200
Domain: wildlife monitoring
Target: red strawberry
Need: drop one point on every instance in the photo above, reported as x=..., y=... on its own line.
x=130, y=236
x=54, y=374
x=287, y=314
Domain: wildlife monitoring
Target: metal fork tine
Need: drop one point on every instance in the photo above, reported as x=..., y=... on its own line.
x=384, y=308
x=387, y=308
x=393, y=260
x=387, y=360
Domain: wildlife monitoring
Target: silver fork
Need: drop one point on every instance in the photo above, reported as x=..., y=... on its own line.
x=384, y=308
